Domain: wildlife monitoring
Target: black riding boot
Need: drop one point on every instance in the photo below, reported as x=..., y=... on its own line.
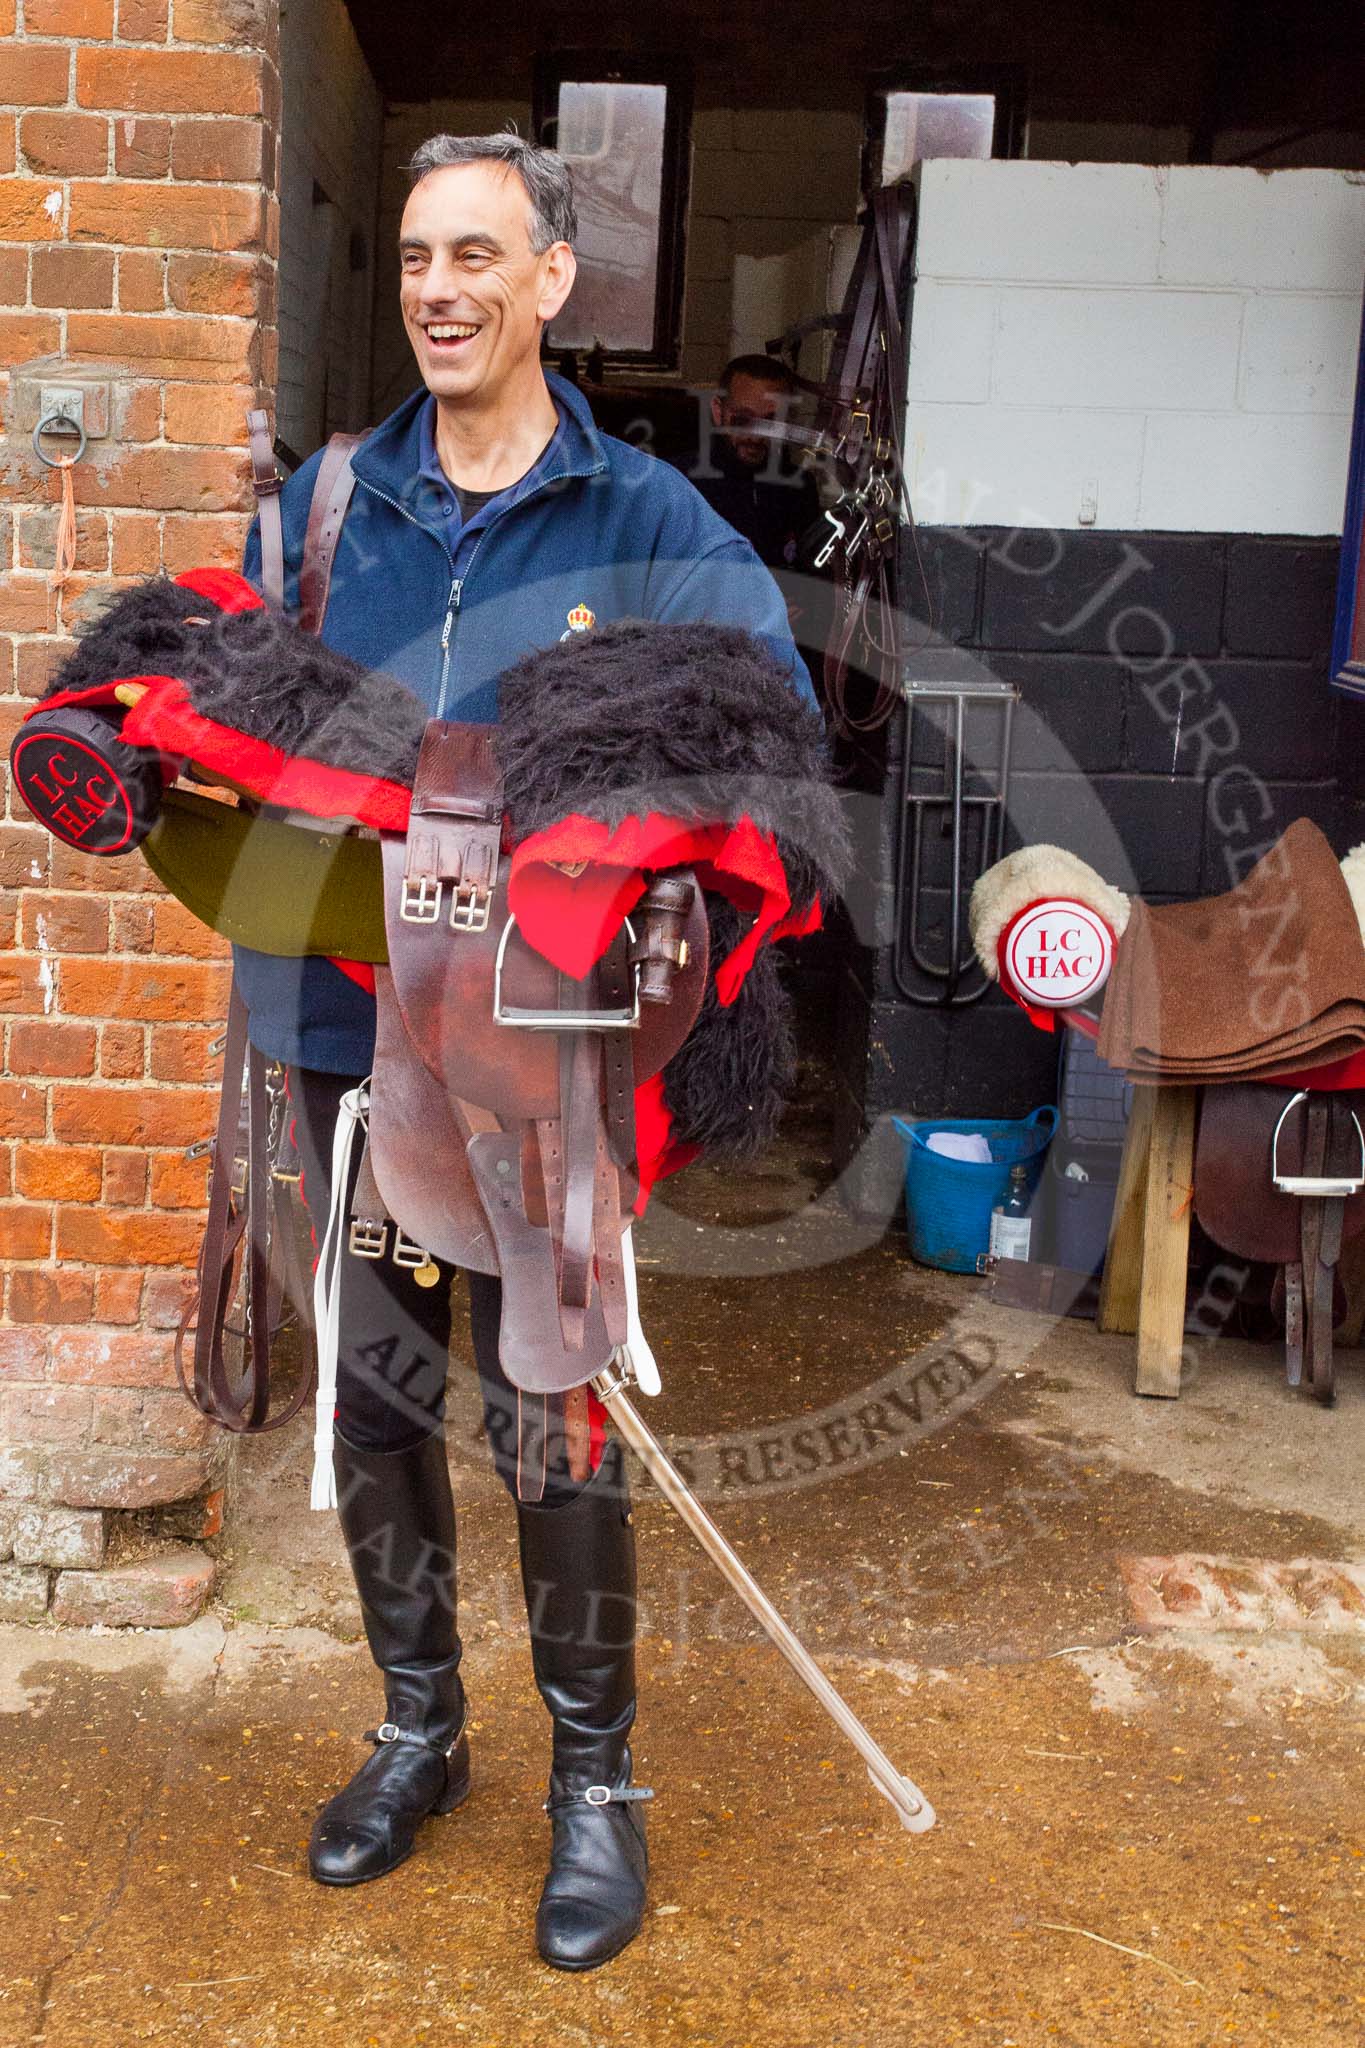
x=398, y=1518
x=578, y=1572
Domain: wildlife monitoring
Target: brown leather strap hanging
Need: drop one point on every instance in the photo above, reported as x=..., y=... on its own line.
x=859, y=433
x=239, y=1210
x=870, y=394
x=245, y=1219
x=267, y=483
x=332, y=491
x=331, y=496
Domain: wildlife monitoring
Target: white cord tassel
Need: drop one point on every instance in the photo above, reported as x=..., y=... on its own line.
x=351, y=1116
x=636, y=1346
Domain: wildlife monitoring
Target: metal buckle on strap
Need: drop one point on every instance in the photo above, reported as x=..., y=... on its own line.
x=406, y=1253
x=420, y=902
x=368, y=1237
x=469, y=907
x=598, y=1795
x=389, y=1731
x=838, y=528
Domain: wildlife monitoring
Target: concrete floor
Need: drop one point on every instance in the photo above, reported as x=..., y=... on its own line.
x=1147, y=1834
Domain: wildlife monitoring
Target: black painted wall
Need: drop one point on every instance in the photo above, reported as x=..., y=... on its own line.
x=1174, y=717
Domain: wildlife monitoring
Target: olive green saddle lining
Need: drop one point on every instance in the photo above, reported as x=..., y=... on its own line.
x=280, y=888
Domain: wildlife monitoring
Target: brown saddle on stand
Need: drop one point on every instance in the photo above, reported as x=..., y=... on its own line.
x=502, y=1104
x=1279, y=1176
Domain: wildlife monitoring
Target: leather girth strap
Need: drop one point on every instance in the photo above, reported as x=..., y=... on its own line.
x=455, y=824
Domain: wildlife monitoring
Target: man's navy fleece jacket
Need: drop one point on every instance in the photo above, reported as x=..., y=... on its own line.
x=447, y=608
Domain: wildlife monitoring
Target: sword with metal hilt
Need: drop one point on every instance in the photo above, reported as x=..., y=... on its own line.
x=629, y=1369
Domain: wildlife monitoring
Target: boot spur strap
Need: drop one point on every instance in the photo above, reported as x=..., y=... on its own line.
x=388, y=1731
x=598, y=1795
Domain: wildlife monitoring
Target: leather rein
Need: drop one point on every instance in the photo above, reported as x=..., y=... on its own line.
x=859, y=433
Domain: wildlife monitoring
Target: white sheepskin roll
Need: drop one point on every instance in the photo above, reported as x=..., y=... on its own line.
x=1033, y=873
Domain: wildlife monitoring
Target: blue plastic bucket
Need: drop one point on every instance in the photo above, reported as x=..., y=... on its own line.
x=948, y=1202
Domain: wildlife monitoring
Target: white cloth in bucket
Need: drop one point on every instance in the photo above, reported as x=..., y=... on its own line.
x=969, y=1145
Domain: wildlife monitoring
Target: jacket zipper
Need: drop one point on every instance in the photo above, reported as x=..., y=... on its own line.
x=452, y=607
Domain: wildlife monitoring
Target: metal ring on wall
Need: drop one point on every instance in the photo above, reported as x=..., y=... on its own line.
x=54, y=419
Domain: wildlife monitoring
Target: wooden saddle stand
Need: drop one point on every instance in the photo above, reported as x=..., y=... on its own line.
x=1274, y=1175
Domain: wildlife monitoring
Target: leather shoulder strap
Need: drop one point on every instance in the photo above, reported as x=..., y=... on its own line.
x=326, y=511
x=267, y=483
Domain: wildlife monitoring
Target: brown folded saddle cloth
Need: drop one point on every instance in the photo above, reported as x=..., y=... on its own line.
x=1264, y=980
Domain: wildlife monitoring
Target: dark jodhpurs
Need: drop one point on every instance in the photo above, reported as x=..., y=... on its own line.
x=395, y=1335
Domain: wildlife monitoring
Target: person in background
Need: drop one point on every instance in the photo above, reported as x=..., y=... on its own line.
x=760, y=490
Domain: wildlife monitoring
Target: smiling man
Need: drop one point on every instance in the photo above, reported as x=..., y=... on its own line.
x=489, y=518
x=476, y=293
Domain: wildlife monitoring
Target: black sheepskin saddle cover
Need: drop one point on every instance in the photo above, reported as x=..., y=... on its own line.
x=256, y=673
x=695, y=721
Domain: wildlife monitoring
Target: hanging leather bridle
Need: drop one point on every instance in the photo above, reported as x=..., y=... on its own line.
x=249, y=1207
x=859, y=435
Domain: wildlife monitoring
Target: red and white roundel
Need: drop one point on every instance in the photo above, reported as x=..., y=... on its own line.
x=1057, y=953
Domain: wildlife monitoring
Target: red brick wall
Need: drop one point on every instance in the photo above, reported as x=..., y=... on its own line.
x=138, y=241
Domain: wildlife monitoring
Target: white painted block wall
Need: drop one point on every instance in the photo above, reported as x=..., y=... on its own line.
x=1134, y=347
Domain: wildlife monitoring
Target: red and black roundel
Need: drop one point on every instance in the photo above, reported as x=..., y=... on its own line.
x=80, y=780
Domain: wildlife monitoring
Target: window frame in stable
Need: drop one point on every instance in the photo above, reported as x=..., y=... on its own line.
x=674, y=74
x=1004, y=83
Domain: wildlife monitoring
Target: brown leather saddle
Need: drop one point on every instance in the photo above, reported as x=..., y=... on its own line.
x=502, y=1100
x=1279, y=1176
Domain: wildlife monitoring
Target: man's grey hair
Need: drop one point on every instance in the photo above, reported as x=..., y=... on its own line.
x=544, y=173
